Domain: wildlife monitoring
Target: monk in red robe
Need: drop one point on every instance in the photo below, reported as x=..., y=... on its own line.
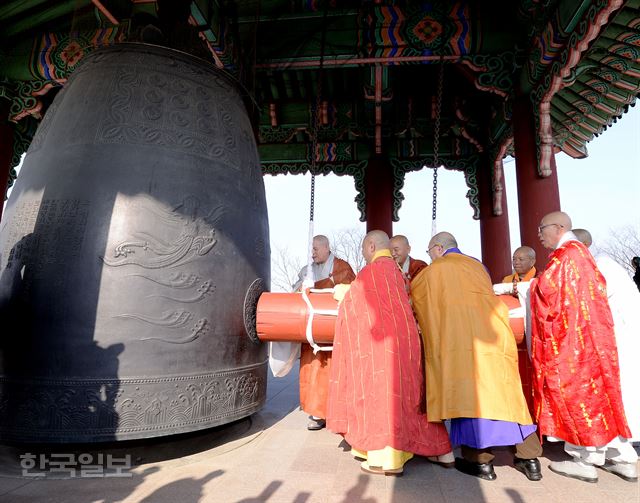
x=328, y=271
x=400, y=250
x=376, y=387
x=577, y=392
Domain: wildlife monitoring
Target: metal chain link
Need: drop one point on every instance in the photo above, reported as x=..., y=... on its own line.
x=436, y=139
x=314, y=146
x=312, y=201
x=435, y=195
x=436, y=144
x=315, y=126
x=317, y=118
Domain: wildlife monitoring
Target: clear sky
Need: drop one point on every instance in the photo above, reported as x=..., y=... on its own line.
x=600, y=193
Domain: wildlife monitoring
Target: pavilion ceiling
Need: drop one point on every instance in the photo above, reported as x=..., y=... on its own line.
x=334, y=83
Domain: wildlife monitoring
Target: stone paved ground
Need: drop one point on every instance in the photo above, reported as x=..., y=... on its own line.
x=272, y=457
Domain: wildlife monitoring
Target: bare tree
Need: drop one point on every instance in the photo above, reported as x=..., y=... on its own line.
x=285, y=267
x=622, y=245
x=347, y=245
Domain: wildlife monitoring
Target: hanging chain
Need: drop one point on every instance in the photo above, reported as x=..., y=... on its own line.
x=436, y=139
x=315, y=126
x=317, y=118
x=314, y=143
x=436, y=144
x=312, y=201
x=435, y=195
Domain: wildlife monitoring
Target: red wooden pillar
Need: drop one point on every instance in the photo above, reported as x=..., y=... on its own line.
x=537, y=196
x=6, y=151
x=494, y=230
x=378, y=183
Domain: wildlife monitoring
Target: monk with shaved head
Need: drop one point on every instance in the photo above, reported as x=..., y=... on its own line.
x=524, y=259
x=440, y=243
x=584, y=236
x=327, y=270
x=374, y=241
x=400, y=250
x=376, y=384
x=552, y=227
x=576, y=385
x=472, y=362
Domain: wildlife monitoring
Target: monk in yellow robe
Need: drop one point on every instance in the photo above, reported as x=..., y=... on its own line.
x=524, y=269
x=472, y=362
x=327, y=271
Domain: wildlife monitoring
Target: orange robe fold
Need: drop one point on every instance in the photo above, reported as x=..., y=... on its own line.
x=524, y=362
x=377, y=386
x=314, y=369
x=515, y=277
x=341, y=273
x=575, y=359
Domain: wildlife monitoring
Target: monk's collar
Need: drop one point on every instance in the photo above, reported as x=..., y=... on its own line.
x=531, y=270
x=381, y=253
x=567, y=236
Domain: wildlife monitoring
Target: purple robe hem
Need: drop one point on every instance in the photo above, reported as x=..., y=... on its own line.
x=484, y=433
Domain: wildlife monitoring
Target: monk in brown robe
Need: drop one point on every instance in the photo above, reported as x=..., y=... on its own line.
x=524, y=259
x=328, y=271
x=400, y=250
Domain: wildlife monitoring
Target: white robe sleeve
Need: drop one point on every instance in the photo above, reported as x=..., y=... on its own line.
x=282, y=357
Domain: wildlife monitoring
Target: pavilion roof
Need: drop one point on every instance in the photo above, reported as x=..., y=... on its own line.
x=369, y=71
x=602, y=86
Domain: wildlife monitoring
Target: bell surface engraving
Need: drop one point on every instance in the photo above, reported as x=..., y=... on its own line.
x=134, y=231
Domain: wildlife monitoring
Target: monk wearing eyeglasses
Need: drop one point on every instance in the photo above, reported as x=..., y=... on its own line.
x=576, y=384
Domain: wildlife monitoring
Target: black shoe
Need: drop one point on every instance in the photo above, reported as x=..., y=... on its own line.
x=316, y=424
x=530, y=467
x=481, y=470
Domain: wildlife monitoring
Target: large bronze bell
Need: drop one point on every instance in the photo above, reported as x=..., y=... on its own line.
x=135, y=232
